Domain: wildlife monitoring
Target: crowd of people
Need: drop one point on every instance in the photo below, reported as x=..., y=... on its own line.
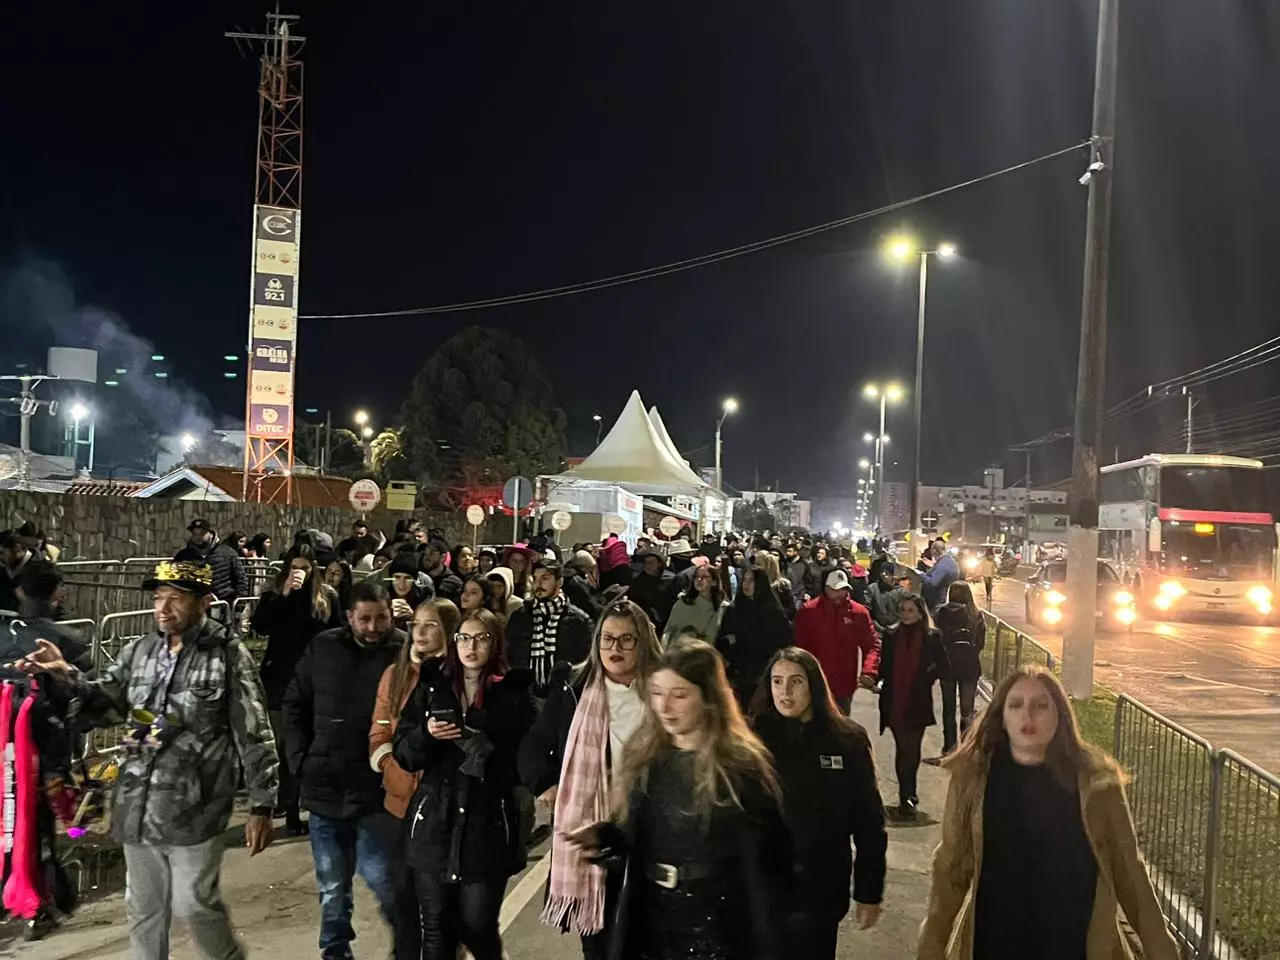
x=679, y=713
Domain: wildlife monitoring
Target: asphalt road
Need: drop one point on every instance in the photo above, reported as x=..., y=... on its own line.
x=1220, y=679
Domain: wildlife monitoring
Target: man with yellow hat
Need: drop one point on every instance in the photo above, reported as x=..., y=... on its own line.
x=195, y=715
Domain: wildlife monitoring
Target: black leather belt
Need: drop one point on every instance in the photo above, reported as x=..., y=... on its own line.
x=670, y=876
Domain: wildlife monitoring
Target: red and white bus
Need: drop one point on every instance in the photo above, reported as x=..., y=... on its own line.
x=1194, y=532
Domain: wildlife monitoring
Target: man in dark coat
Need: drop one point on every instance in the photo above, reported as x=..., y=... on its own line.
x=229, y=580
x=328, y=710
x=654, y=589
x=548, y=629
x=447, y=584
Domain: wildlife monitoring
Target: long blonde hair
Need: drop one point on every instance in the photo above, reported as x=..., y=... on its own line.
x=729, y=753
x=767, y=562
x=403, y=676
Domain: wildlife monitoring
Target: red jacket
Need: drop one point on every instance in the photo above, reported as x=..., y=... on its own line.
x=841, y=636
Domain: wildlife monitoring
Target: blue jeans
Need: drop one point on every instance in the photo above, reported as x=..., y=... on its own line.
x=371, y=846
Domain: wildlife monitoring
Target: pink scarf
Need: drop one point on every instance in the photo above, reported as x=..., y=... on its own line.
x=21, y=895
x=575, y=893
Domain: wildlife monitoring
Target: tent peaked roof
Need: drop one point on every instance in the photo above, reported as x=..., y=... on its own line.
x=660, y=429
x=634, y=455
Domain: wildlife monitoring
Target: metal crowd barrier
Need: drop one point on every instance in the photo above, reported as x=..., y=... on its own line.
x=1208, y=822
x=1008, y=648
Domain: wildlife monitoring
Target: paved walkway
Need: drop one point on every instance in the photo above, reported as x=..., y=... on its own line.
x=272, y=898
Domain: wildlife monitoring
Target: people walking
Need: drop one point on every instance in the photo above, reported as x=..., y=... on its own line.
x=506, y=602
x=328, y=710
x=434, y=624
x=289, y=614
x=839, y=633
x=444, y=582
x=461, y=729
x=752, y=630
x=698, y=609
x=548, y=629
x=699, y=825
x=1035, y=815
x=884, y=593
x=829, y=796
x=911, y=659
x=941, y=571
x=964, y=634
x=197, y=719
x=229, y=580
x=407, y=589
x=989, y=569
x=571, y=755
x=653, y=587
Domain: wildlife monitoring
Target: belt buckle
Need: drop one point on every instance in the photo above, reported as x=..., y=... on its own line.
x=670, y=876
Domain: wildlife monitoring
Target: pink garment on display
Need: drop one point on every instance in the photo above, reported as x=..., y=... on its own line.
x=21, y=895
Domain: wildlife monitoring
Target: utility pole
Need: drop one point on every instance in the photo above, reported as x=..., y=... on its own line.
x=1191, y=405
x=1082, y=534
x=28, y=406
x=914, y=527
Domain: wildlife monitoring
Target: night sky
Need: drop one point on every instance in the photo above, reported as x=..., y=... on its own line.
x=464, y=151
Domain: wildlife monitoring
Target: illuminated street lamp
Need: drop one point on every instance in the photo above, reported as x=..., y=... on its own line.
x=883, y=394
x=599, y=426
x=902, y=249
x=361, y=418
x=188, y=442
x=77, y=413
x=729, y=406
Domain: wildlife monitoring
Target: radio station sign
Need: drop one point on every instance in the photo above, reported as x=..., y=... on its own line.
x=273, y=325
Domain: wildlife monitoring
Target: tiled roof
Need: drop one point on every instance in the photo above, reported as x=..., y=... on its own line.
x=308, y=490
x=105, y=488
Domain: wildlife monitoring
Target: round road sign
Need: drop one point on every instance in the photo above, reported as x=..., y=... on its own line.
x=615, y=524
x=517, y=493
x=561, y=520
x=364, y=495
x=475, y=514
x=669, y=526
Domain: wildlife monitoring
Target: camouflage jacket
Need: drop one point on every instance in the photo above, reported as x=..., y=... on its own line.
x=183, y=792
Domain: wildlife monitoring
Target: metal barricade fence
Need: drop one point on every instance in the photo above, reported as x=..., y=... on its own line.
x=115, y=631
x=1008, y=648
x=1208, y=823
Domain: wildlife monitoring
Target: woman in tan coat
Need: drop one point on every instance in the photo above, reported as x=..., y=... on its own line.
x=1038, y=848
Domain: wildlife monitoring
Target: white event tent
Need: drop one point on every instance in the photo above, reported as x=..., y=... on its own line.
x=637, y=453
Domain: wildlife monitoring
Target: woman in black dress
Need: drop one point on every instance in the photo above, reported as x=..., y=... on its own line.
x=698, y=823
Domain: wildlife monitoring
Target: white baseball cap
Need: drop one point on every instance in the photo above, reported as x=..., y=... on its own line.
x=838, y=580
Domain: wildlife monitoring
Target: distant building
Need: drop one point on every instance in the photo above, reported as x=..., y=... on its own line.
x=787, y=508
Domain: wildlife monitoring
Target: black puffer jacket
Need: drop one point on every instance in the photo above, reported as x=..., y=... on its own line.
x=289, y=624
x=573, y=639
x=964, y=634
x=580, y=593
x=751, y=633
x=656, y=595
x=328, y=709
x=462, y=827
x=541, y=754
x=229, y=580
x=829, y=794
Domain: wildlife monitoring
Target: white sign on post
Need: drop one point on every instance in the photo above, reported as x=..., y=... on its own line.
x=475, y=514
x=364, y=495
x=561, y=520
x=669, y=526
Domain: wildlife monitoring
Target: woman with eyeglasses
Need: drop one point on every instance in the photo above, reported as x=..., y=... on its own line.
x=461, y=730
x=569, y=758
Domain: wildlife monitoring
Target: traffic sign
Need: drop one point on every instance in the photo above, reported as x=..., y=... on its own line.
x=561, y=521
x=517, y=493
x=929, y=520
x=669, y=526
x=364, y=495
x=615, y=524
x=475, y=514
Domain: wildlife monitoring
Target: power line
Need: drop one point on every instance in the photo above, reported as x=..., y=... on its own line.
x=679, y=266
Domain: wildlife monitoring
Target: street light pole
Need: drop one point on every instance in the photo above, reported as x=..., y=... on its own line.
x=1082, y=533
x=913, y=521
x=884, y=400
x=729, y=406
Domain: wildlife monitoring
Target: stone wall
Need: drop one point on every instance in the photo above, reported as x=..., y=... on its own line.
x=105, y=528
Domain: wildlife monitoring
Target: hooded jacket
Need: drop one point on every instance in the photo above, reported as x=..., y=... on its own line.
x=948, y=929
x=513, y=602
x=182, y=793
x=751, y=632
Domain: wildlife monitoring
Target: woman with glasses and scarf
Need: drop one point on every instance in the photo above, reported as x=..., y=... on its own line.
x=570, y=756
x=461, y=729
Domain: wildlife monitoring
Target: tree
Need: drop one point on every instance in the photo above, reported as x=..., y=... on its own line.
x=212, y=450
x=753, y=515
x=345, y=454
x=387, y=456
x=482, y=408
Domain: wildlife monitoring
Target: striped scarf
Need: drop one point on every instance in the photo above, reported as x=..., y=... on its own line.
x=575, y=890
x=542, y=649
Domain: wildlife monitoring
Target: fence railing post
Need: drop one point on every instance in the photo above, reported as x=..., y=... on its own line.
x=1116, y=746
x=997, y=660
x=1212, y=848
x=1018, y=639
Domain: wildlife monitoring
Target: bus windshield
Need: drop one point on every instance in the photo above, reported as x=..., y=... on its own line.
x=1230, y=551
x=1238, y=489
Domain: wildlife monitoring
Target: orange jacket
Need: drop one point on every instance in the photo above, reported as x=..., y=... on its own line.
x=399, y=784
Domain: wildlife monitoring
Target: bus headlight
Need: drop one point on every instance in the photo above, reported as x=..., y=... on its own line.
x=1123, y=598
x=1173, y=590
x=1051, y=615
x=1055, y=598
x=1260, y=597
x=1126, y=615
